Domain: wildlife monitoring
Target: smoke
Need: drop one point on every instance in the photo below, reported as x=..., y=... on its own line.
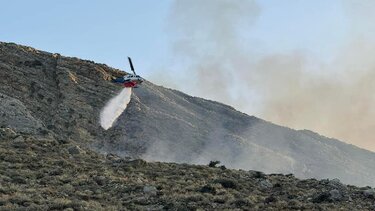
x=335, y=98
x=114, y=108
x=231, y=150
x=335, y=105
x=205, y=34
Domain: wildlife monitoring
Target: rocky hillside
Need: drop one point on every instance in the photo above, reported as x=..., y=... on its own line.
x=40, y=172
x=45, y=94
x=54, y=155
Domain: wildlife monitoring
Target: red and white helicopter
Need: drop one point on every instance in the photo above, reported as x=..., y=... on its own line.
x=129, y=80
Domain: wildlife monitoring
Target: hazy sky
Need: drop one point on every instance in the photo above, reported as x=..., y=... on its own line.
x=103, y=31
x=299, y=63
x=108, y=31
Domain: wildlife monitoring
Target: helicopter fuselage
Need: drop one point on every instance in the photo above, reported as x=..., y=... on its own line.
x=129, y=80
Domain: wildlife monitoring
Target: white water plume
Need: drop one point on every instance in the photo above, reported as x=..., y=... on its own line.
x=114, y=108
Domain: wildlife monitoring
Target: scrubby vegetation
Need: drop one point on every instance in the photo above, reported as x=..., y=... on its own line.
x=43, y=173
x=49, y=106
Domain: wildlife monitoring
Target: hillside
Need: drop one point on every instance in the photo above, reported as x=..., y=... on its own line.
x=38, y=172
x=64, y=96
x=54, y=154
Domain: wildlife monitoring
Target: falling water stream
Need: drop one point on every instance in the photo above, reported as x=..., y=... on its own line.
x=114, y=108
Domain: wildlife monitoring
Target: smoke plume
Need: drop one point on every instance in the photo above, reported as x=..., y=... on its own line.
x=295, y=89
x=114, y=108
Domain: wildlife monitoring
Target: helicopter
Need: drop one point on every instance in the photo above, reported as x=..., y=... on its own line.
x=129, y=80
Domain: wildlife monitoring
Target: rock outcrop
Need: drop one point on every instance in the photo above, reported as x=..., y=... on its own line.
x=15, y=115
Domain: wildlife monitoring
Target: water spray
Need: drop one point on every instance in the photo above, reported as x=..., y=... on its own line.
x=114, y=108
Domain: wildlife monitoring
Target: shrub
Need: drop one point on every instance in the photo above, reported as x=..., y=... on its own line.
x=213, y=163
x=208, y=189
x=227, y=183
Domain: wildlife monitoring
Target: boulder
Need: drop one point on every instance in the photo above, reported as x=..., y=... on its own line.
x=370, y=193
x=75, y=150
x=149, y=190
x=265, y=184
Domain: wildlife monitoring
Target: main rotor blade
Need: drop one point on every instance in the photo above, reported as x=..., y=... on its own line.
x=131, y=65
